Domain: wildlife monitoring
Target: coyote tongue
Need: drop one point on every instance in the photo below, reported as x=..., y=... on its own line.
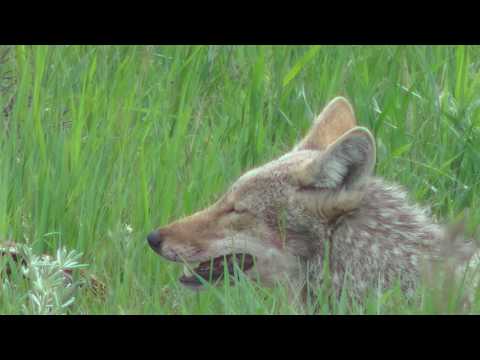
x=212, y=270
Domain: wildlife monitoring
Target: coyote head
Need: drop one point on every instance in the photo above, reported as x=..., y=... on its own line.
x=278, y=215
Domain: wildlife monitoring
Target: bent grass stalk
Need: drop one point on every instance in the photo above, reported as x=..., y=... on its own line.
x=102, y=136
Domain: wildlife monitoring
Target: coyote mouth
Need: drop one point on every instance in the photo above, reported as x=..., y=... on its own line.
x=215, y=268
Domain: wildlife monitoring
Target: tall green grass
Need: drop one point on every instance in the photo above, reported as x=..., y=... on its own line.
x=101, y=144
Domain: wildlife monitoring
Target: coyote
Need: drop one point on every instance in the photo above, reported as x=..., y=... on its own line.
x=317, y=206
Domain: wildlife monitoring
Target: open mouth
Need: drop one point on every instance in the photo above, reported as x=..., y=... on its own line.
x=214, y=269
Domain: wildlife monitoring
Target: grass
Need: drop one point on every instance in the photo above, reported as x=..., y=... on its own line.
x=101, y=144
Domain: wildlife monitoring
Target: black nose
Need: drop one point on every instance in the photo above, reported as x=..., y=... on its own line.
x=155, y=240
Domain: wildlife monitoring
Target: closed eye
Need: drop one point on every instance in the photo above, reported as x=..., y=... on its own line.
x=233, y=209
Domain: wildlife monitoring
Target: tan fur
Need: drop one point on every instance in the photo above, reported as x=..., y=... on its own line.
x=319, y=201
x=334, y=121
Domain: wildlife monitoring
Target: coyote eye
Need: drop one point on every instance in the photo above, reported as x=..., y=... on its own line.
x=233, y=209
x=240, y=211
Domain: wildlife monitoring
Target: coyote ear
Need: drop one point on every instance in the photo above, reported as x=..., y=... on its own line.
x=334, y=121
x=345, y=164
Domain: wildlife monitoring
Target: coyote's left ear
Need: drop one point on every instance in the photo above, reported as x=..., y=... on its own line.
x=345, y=165
x=334, y=121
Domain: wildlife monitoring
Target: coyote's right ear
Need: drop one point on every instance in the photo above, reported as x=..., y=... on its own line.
x=334, y=121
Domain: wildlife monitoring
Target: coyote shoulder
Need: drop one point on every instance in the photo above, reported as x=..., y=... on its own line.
x=318, y=205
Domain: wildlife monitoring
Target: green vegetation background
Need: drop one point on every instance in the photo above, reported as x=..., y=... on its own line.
x=101, y=144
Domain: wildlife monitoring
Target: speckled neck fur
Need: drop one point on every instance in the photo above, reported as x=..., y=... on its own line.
x=384, y=240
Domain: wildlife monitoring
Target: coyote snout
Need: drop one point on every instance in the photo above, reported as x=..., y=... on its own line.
x=216, y=239
x=155, y=241
x=319, y=201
